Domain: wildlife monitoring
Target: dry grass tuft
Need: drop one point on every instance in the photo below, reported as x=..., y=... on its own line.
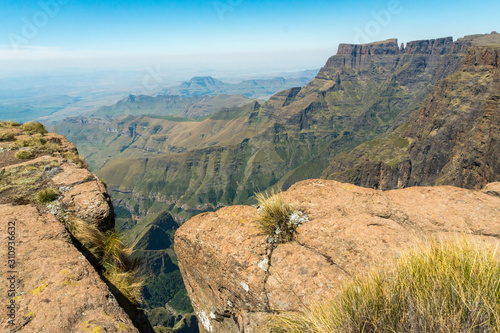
x=113, y=255
x=7, y=136
x=33, y=127
x=129, y=283
x=278, y=219
x=89, y=235
x=75, y=158
x=9, y=124
x=116, y=254
x=444, y=287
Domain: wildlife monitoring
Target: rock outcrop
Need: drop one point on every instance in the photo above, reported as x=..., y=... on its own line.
x=235, y=278
x=49, y=284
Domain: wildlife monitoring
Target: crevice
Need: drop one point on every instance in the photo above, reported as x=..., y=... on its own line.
x=328, y=258
x=269, y=248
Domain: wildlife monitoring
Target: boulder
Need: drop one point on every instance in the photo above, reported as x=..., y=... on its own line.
x=235, y=278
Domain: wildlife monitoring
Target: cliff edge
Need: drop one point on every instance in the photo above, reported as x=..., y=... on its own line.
x=235, y=278
x=453, y=139
x=48, y=284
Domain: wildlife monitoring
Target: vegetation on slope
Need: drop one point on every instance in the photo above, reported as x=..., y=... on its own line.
x=444, y=287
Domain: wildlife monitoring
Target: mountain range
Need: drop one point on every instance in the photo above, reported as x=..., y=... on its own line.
x=254, y=88
x=379, y=115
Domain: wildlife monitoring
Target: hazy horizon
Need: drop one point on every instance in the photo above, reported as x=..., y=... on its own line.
x=43, y=36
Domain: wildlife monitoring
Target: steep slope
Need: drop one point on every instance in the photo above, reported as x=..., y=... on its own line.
x=454, y=139
x=55, y=282
x=235, y=277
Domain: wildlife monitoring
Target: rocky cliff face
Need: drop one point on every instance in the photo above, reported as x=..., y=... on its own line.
x=235, y=278
x=49, y=284
x=454, y=139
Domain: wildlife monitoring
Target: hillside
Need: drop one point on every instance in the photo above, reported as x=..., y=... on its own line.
x=193, y=107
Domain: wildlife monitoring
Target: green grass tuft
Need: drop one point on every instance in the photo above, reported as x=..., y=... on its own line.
x=444, y=287
x=24, y=154
x=47, y=195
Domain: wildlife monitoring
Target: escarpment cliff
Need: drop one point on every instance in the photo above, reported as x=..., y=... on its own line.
x=453, y=139
x=235, y=278
x=51, y=282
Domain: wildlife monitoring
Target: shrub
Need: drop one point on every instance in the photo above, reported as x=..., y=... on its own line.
x=24, y=154
x=279, y=220
x=32, y=127
x=47, y=195
x=7, y=136
x=445, y=287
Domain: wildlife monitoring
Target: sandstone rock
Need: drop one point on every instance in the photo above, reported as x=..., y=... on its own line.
x=235, y=278
x=58, y=289
x=86, y=197
x=492, y=189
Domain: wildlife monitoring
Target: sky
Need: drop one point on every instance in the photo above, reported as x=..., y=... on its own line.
x=292, y=34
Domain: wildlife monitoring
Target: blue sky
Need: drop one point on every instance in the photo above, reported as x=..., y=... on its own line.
x=107, y=32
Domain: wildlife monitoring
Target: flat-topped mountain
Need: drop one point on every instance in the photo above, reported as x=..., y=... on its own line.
x=454, y=139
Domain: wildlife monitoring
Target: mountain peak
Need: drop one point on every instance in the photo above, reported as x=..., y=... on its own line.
x=389, y=46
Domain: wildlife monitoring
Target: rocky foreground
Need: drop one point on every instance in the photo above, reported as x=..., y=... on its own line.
x=48, y=285
x=235, y=278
